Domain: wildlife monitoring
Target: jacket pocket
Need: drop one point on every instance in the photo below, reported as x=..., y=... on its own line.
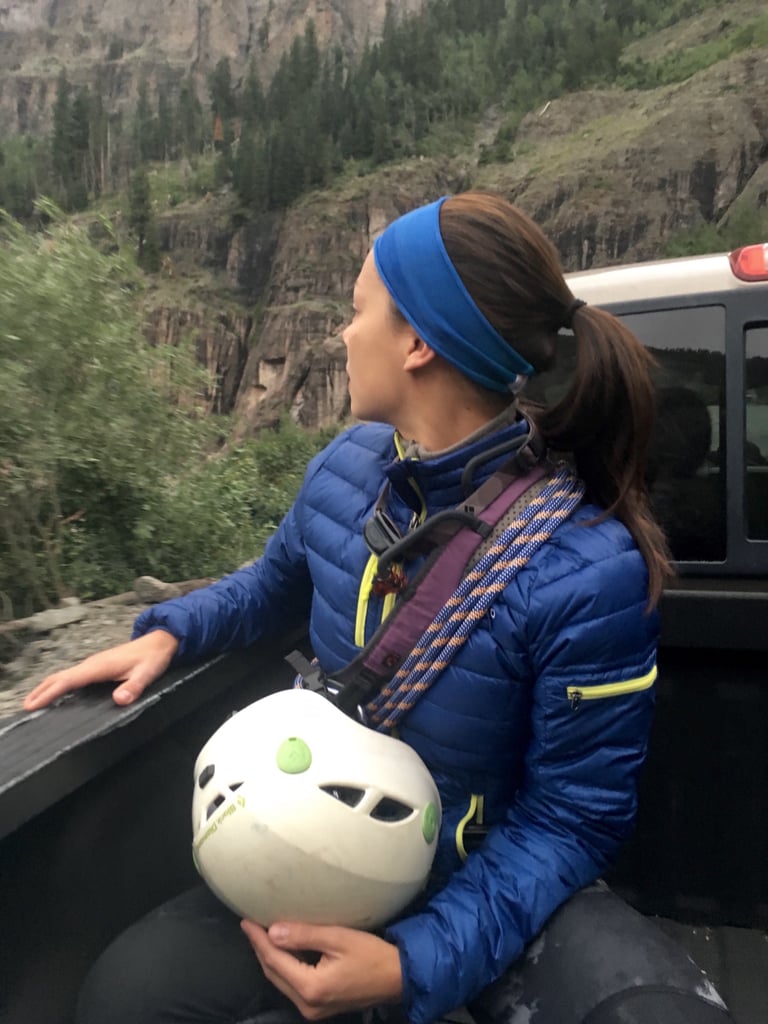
x=604, y=691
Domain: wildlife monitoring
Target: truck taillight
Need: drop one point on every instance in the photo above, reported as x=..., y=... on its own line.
x=751, y=262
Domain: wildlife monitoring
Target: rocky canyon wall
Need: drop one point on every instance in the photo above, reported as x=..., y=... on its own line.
x=609, y=175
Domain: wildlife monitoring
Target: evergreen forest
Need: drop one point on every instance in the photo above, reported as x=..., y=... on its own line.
x=414, y=91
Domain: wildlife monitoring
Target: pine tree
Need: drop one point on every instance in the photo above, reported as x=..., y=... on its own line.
x=252, y=102
x=311, y=60
x=190, y=118
x=61, y=149
x=144, y=126
x=70, y=144
x=250, y=172
x=221, y=91
x=382, y=148
x=141, y=219
x=167, y=133
x=98, y=140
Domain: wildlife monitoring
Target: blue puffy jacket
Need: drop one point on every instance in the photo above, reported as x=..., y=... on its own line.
x=536, y=730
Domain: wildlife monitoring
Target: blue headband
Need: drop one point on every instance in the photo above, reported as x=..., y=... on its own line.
x=413, y=263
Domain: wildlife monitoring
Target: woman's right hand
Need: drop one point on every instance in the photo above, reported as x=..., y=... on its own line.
x=133, y=665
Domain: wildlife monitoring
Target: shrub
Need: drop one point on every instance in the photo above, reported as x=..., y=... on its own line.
x=88, y=429
x=106, y=467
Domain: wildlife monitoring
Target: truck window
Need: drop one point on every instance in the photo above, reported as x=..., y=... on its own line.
x=756, y=430
x=687, y=459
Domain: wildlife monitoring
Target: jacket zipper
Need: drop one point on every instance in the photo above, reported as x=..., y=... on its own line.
x=363, y=601
x=576, y=694
x=467, y=827
x=369, y=574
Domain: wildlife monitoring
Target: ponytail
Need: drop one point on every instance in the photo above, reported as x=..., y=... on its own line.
x=606, y=421
x=513, y=273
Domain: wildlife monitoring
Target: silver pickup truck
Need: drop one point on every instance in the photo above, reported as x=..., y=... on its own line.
x=702, y=844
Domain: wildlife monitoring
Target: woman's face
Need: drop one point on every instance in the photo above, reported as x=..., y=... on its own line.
x=377, y=346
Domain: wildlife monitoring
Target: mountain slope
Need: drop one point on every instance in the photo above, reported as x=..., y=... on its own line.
x=123, y=43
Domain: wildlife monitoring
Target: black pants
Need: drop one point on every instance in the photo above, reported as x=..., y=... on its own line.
x=597, y=962
x=187, y=962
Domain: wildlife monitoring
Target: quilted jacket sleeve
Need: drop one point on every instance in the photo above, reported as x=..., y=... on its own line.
x=263, y=599
x=578, y=799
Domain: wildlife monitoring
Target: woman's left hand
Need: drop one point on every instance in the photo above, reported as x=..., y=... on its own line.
x=355, y=970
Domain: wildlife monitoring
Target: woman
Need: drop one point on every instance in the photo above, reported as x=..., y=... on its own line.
x=455, y=306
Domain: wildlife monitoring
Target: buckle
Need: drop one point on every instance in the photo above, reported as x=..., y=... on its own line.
x=380, y=533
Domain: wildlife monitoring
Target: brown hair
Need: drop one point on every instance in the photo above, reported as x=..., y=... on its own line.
x=513, y=273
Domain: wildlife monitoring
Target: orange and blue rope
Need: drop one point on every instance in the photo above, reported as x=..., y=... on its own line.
x=511, y=550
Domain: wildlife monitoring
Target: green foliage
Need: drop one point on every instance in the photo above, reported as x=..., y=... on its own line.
x=190, y=118
x=431, y=73
x=70, y=146
x=145, y=130
x=105, y=462
x=501, y=148
x=221, y=91
x=695, y=241
x=88, y=424
x=221, y=513
x=25, y=171
x=745, y=224
x=142, y=221
x=678, y=66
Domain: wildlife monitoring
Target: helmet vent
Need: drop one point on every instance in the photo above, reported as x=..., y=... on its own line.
x=214, y=805
x=349, y=795
x=206, y=775
x=388, y=809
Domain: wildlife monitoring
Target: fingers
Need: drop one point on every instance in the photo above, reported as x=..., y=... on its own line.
x=280, y=966
x=355, y=969
x=56, y=685
x=133, y=665
x=298, y=936
x=138, y=678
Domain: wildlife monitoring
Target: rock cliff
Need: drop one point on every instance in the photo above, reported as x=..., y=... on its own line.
x=120, y=43
x=609, y=174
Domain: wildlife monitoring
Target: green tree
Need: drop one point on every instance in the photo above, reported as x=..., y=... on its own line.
x=252, y=102
x=310, y=57
x=167, y=134
x=382, y=148
x=142, y=221
x=250, y=172
x=144, y=126
x=60, y=141
x=25, y=173
x=190, y=118
x=263, y=35
x=221, y=91
x=88, y=429
x=70, y=144
x=286, y=162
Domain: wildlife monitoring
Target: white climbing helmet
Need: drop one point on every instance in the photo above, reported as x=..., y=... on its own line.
x=300, y=813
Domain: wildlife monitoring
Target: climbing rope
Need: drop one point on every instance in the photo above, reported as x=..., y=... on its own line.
x=469, y=602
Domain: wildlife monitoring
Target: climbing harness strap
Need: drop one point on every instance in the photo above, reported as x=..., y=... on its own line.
x=463, y=610
x=451, y=593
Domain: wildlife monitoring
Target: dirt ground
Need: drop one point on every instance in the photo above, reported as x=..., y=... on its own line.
x=104, y=624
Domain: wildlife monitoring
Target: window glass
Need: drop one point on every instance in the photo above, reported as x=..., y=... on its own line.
x=687, y=459
x=756, y=431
